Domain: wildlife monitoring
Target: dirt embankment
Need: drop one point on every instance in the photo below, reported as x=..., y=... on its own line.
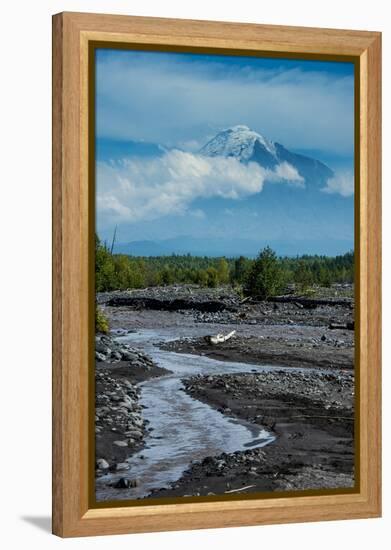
x=311, y=415
x=225, y=306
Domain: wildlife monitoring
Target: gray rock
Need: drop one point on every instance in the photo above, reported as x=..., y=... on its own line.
x=122, y=466
x=126, y=405
x=124, y=483
x=136, y=434
x=102, y=464
x=129, y=356
x=121, y=443
x=102, y=348
x=115, y=398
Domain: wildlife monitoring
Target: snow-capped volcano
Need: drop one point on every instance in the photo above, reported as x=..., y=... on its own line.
x=249, y=146
x=237, y=141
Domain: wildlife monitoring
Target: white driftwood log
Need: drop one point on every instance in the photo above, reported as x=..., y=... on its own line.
x=219, y=338
x=240, y=489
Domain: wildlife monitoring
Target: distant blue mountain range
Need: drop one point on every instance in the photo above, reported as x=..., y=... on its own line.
x=230, y=247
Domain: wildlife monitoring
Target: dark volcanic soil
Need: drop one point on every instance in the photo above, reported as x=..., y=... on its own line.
x=312, y=417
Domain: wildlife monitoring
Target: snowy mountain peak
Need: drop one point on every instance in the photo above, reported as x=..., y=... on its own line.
x=248, y=146
x=237, y=141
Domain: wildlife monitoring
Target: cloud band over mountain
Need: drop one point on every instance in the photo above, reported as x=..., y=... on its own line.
x=145, y=189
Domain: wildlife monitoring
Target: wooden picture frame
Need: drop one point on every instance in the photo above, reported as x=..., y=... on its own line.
x=73, y=34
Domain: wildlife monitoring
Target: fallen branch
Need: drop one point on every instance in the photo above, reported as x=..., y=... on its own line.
x=343, y=326
x=240, y=489
x=219, y=338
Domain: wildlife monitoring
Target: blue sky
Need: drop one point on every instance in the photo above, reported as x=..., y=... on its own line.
x=174, y=103
x=172, y=99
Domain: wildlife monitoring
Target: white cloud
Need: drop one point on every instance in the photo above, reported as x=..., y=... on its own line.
x=132, y=190
x=342, y=184
x=286, y=171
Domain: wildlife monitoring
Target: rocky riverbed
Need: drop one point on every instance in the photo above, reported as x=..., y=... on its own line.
x=119, y=425
x=287, y=370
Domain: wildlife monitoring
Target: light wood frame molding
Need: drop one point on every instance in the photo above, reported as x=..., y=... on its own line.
x=72, y=34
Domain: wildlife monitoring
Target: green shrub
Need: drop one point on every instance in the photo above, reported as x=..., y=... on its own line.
x=101, y=321
x=303, y=276
x=265, y=278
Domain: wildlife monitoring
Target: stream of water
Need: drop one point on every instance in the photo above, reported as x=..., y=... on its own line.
x=183, y=429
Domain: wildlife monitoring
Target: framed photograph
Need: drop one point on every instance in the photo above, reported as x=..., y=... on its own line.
x=216, y=274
